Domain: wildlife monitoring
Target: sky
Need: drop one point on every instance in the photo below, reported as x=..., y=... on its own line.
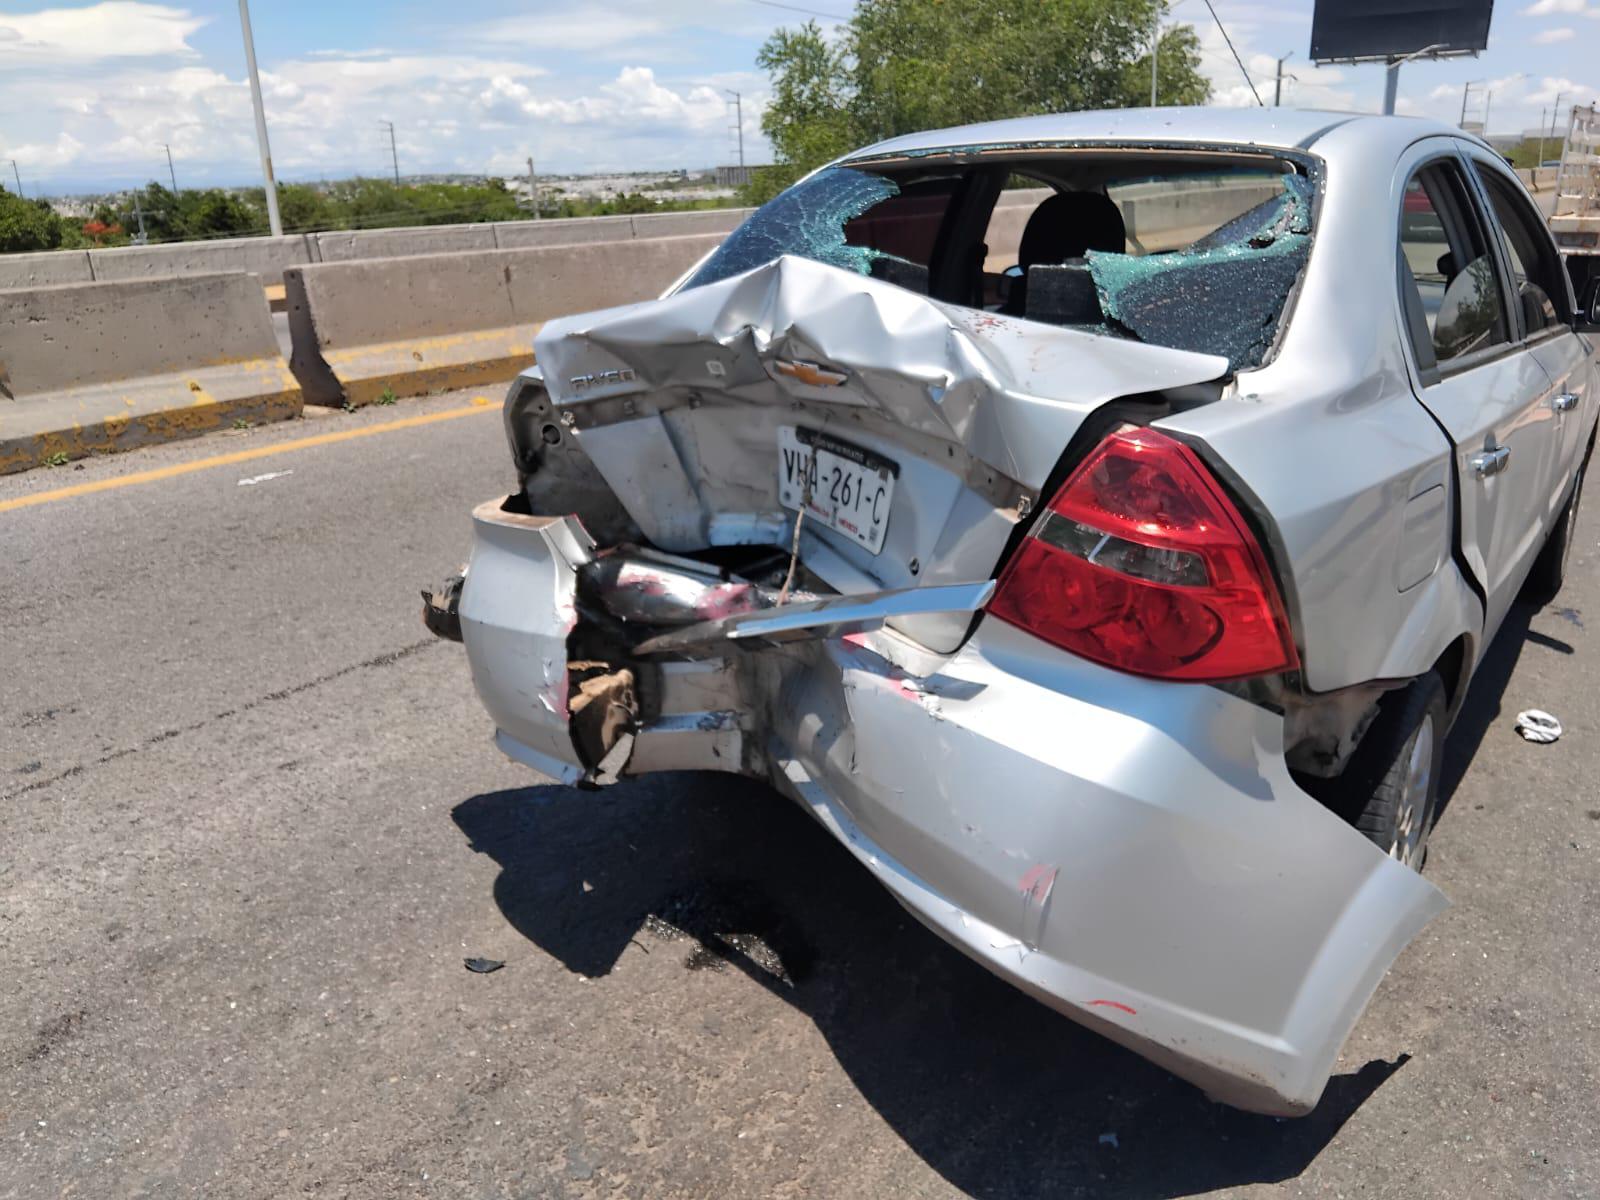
x=90, y=92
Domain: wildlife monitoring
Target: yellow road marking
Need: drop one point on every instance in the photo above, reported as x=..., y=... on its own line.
x=479, y=404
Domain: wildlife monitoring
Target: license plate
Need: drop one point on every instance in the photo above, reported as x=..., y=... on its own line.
x=845, y=487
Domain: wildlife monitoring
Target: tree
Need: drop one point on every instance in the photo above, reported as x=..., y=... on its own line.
x=27, y=224
x=907, y=65
x=197, y=213
x=807, y=120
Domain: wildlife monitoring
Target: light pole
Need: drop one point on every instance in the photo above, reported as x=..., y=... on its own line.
x=394, y=155
x=273, y=220
x=1391, y=82
x=1277, y=86
x=1466, y=89
x=533, y=189
x=172, y=173
x=18, y=174
x=738, y=122
x=1155, y=52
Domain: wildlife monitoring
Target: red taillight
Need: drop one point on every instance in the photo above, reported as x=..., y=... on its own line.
x=1141, y=562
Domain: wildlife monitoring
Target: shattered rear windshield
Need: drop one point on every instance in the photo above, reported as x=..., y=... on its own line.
x=1194, y=257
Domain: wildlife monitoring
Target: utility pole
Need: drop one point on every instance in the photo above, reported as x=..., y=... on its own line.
x=1277, y=87
x=533, y=189
x=1555, y=111
x=18, y=174
x=738, y=122
x=1488, y=95
x=1155, y=51
x=1466, y=88
x=273, y=219
x=394, y=154
x=139, y=213
x=170, y=171
x=1540, y=163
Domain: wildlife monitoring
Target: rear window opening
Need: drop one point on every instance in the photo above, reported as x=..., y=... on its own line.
x=1191, y=250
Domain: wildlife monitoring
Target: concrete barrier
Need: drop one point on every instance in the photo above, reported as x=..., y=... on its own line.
x=419, y=324
x=348, y=244
x=569, y=231
x=1158, y=215
x=44, y=269
x=268, y=257
x=102, y=367
x=707, y=220
x=263, y=256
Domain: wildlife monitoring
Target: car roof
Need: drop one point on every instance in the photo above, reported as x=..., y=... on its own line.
x=1270, y=128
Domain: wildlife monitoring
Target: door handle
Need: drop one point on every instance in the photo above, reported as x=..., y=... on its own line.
x=1564, y=401
x=1490, y=462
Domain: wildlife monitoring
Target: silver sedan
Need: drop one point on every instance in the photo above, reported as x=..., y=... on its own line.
x=1094, y=521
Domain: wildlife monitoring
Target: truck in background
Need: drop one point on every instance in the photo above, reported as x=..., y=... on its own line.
x=1575, y=217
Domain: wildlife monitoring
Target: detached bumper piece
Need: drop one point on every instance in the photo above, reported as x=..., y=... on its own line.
x=441, y=608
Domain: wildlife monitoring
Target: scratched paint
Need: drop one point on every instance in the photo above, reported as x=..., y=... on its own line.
x=1116, y=1004
x=1038, y=882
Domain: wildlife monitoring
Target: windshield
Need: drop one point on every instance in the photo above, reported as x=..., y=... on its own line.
x=1171, y=250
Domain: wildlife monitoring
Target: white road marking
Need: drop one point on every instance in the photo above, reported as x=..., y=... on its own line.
x=255, y=479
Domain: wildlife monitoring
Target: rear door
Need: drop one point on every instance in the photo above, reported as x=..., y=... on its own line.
x=1472, y=372
x=1543, y=314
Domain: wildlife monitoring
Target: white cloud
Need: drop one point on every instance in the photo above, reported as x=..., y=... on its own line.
x=452, y=112
x=1546, y=8
x=577, y=30
x=1567, y=91
x=1561, y=33
x=115, y=29
x=63, y=150
x=1305, y=85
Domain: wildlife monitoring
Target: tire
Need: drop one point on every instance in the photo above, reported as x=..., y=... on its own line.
x=1391, y=785
x=1550, y=568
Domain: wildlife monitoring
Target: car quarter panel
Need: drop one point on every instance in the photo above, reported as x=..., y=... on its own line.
x=1330, y=443
x=1231, y=929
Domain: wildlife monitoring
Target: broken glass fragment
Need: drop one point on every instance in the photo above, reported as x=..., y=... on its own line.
x=808, y=220
x=1222, y=294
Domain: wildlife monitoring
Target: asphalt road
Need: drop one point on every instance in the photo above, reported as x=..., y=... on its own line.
x=251, y=824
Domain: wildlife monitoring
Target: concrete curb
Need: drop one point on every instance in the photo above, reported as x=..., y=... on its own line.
x=105, y=367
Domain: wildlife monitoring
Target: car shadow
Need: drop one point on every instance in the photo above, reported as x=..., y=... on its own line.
x=999, y=1095
x=1482, y=709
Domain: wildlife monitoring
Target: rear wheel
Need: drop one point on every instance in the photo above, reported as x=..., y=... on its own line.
x=1550, y=568
x=1391, y=786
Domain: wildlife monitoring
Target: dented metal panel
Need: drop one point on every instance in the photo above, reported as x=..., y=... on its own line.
x=517, y=609
x=1229, y=927
x=1007, y=392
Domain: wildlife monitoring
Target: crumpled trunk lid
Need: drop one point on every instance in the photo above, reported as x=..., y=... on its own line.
x=681, y=404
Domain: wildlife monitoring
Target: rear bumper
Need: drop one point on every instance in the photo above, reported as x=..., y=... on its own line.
x=1132, y=853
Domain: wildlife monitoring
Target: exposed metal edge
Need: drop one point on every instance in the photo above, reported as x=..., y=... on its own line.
x=543, y=763
x=834, y=615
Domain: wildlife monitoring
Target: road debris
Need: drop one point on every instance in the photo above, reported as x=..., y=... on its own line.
x=1536, y=725
x=255, y=479
x=483, y=966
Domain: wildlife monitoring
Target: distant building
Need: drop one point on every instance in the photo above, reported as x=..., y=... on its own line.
x=733, y=177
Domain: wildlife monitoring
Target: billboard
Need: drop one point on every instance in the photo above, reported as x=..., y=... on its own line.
x=1342, y=30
